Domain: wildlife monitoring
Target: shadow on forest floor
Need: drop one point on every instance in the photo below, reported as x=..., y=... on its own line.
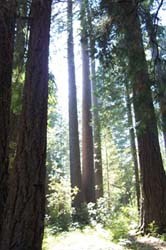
x=145, y=243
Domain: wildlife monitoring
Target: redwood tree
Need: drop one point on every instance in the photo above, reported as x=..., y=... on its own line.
x=75, y=166
x=24, y=223
x=87, y=138
x=95, y=107
x=133, y=143
x=7, y=24
x=152, y=172
x=153, y=179
x=159, y=68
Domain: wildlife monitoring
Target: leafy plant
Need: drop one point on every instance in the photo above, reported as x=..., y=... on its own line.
x=58, y=208
x=122, y=222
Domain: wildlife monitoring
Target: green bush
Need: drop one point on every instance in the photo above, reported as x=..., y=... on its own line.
x=122, y=222
x=118, y=222
x=58, y=205
x=99, y=212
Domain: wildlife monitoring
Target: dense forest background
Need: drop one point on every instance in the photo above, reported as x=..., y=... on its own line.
x=103, y=161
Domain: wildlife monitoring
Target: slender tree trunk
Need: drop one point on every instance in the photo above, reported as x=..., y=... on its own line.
x=87, y=138
x=133, y=145
x=24, y=223
x=7, y=24
x=152, y=172
x=96, y=136
x=75, y=168
x=160, y=73
x=95, y=114
x=107, y=172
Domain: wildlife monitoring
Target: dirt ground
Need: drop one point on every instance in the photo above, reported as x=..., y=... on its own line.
x=90, y=239
x=145, y=243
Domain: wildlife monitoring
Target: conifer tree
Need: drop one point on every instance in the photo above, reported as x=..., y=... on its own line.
x=24, y=221
x=152, y=172
x=75, y=165
x=7, y=26
x=133, y=144
x=88, y=178
x=159, y=68
x=95, y=108
x=153, y=178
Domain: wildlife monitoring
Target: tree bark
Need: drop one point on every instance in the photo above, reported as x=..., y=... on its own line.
x=20, y=46
x=152, y=172
x=7, y=24
x=95, y=114
x=24, y=223
x=133, y=145
x=159, y=70
x=87, y=137
x=75, y=166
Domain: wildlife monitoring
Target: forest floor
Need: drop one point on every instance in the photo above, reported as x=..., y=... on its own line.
x=99, y=239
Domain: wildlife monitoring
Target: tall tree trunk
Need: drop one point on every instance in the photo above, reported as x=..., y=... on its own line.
x=75, y=167
x=133, y=145
x=7, y=24
x=18, y=75
x=96, y=136
x=87, y=138
x=152, y=172
x=24, y=223
x=160, y=73
x=95, y=115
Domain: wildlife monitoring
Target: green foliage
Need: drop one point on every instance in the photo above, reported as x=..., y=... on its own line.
x=99, y=213
x=117, y=172
x=118, y=222
x=58, y=207
x=163, y=237
x=122, y=222
x=57, y=135
x=52, y=102
x=152, y=228
x=58, y=193
x=81, y=217
x=155, y=231
x=57, y=148
x=111, y=93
